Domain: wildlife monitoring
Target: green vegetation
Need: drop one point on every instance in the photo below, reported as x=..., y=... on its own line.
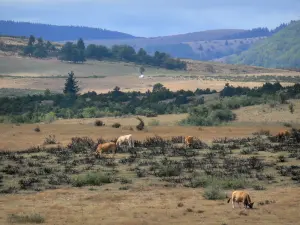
x=282, y=50
x=126, y=53
x=76, y=53
x=49, y=106
x=32, y=218
x=39, y=49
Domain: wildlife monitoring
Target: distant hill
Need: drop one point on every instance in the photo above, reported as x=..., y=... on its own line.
x=209, y=45
x=204, y=45
x=282, y=50
x=58, y=33
x=208, y=35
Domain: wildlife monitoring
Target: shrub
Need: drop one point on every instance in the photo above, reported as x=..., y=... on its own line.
x=50, y=117
x=116, y=125
x=32, y=218
x=99, y=123
x=169, y=170
x=281, y=158
x=291, y=108
x=124, y=180
x=91, y=179
x=214, y=193
x=28, y=182
x=234, y=183
x=50, y=140
x=83, y=144
x=258, y=187
x=37, y=129
x=287, y=124
x=199, y=182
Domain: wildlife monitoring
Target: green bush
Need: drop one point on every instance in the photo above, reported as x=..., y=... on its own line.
x=32, y=218
x=214, y=193
x=91, y=179
x=213, y=114
x=116, y=125
x=50, y=117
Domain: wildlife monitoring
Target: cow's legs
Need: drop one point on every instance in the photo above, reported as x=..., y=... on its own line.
x=233, y=202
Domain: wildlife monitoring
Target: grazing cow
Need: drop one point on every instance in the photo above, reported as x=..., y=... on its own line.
x=105, y=147
x=282, y=134
x=188, y=140
x=241, y=196
x=125, y=139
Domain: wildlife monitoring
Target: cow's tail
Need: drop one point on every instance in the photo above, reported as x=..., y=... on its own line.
x=228, y=198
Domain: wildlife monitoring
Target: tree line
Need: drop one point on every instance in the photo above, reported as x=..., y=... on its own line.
x=257, y=32
x=79, y=53
x=159, y=100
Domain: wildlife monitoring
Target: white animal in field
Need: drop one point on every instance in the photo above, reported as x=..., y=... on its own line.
x=125, y=139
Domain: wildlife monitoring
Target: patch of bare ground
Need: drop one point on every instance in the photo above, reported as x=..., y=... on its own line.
x=150, y=205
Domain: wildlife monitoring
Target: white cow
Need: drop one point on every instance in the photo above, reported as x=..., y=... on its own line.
x=125, y=138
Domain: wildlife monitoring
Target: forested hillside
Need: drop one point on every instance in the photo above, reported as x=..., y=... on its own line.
x=282, y=50
x=58, y=33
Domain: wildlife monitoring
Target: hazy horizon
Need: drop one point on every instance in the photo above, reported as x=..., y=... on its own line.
x=155, y=18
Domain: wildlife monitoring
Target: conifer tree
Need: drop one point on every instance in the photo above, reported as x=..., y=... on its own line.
x=71, y=87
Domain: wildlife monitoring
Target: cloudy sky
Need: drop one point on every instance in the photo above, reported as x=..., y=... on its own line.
x=154, y=17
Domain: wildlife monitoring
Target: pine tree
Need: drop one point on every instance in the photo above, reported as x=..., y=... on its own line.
x=71, y=87
x=81, y=49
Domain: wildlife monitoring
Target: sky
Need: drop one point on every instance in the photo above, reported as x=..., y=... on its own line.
x=153, y=18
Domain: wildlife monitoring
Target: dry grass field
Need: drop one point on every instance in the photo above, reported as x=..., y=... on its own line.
x=145, y=205
x=269, y=113
x=26, y=73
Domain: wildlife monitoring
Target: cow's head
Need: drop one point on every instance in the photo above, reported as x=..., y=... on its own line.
x=250, y=205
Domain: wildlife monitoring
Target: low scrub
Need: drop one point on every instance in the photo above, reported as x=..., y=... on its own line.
x=214, y=193
x=91, y=179
x=99, y=123
x=32, y=218
x=214, y=114
x=116, y=125
x=50, y=140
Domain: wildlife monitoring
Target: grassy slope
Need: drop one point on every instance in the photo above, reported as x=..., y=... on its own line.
x=188, y=45
x=280, y=50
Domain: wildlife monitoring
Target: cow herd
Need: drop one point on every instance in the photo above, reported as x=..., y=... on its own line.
x=112, y=146
x=236, y=197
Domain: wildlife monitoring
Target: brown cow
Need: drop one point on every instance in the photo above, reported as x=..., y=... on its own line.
x=188, y=140
x=282, y=134
x=241, y=196
x=105, y=147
